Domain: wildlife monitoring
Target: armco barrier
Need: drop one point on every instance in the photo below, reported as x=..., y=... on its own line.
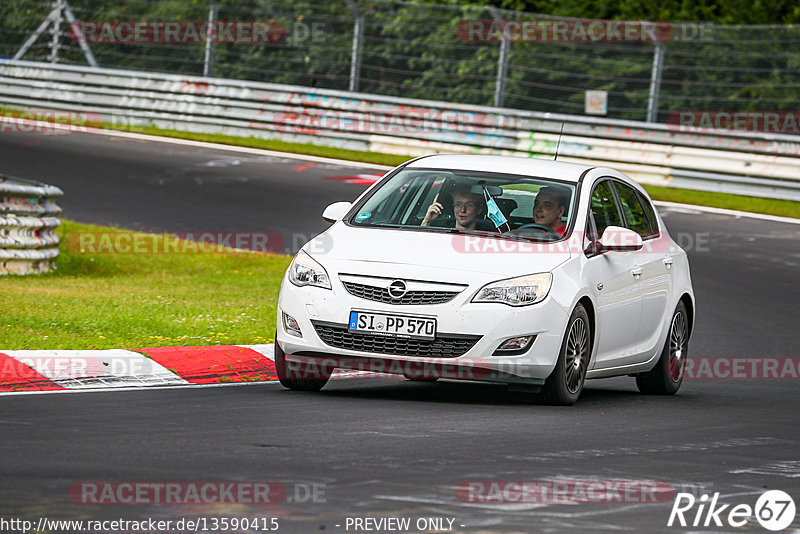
x=28, y=243
x=752, y=163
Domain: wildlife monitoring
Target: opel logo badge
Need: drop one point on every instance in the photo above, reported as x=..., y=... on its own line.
x=397, y=289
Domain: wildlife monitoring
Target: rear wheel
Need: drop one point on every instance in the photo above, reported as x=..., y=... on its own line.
x=565, y=383
x=299, y=377
x=666, y=377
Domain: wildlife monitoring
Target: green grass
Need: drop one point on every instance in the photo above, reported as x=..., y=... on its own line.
x=783, y=208
x=103, y=301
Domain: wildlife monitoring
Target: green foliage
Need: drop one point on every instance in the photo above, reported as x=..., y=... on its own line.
x=412, y=49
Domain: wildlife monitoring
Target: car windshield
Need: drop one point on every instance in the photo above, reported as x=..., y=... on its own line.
x=455, y=200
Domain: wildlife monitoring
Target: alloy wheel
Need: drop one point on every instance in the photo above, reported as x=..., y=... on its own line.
x=576, y=354
x=678, y=334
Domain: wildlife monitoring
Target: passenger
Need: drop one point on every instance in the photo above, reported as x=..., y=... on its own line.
x=468, y=207
x=549, y=207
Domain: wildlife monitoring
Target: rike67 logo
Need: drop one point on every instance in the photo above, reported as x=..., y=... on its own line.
x=774, y=510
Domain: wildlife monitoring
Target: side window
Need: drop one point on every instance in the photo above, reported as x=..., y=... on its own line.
x=650, y=212
x=438, y=186
x=635, y=215
x=604, y=210
x=419, y=195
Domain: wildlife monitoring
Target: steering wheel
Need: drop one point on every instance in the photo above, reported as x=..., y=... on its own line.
x=534, y=226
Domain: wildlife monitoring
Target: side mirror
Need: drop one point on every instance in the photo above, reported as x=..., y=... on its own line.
x=618, y=239
x=336, y=211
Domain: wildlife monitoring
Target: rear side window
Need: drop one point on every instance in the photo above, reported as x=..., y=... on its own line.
x=636, y=217
x=651, y=213
x=604, y=210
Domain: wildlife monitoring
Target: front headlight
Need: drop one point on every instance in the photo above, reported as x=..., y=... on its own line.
x=304, y=271
x=520, y=291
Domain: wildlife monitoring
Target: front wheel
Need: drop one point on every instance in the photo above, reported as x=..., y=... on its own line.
x=666, y=377
x=565, y=383
x=299, y=377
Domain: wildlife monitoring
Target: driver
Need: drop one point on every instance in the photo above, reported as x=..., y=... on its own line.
x=468, y=207
x=549, y=206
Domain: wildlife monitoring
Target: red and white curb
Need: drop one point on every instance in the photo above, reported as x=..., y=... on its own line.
x=357, y=179
x=54, y=370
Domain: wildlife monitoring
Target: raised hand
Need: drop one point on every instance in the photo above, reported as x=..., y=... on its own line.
x=434, y=210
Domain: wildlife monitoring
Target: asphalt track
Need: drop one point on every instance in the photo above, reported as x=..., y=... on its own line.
x=379, y=448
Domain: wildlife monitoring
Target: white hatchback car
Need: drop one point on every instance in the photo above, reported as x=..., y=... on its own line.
x=532, y=273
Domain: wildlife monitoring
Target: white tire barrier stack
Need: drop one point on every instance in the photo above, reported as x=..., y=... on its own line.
x=28, y=242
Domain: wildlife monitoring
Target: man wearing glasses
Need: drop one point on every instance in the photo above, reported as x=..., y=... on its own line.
x=468, y=207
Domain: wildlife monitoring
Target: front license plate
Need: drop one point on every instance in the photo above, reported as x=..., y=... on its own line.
x=392, y=325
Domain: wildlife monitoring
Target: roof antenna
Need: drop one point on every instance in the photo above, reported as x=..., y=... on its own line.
x=559, y=141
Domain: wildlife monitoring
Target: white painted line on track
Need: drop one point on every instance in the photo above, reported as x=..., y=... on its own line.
x=269, y=352
x=235, y=148
x=723, y=211
x=176, y=387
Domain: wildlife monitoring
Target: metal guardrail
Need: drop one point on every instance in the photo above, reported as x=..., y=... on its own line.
x=28, y=243
x=751, y=163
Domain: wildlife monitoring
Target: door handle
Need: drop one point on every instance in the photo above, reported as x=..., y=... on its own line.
x=637, y=271
x=668, y=261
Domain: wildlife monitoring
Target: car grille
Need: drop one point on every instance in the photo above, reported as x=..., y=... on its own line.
x=381, y=294
x=443, y=346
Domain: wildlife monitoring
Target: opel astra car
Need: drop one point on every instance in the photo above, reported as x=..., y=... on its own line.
x=531, y=273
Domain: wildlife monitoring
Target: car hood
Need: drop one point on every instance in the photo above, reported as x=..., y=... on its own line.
x=381, y=251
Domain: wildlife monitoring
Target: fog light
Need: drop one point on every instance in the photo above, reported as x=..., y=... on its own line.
x=514, y=345
x=290, y=325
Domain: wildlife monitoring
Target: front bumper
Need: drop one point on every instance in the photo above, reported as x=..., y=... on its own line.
x=488, y=324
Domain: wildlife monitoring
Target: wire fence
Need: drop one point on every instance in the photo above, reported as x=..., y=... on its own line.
x=465, y=54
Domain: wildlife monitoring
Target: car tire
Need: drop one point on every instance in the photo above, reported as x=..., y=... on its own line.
x=565, y=383
x=666, y=377
x=296, y=382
